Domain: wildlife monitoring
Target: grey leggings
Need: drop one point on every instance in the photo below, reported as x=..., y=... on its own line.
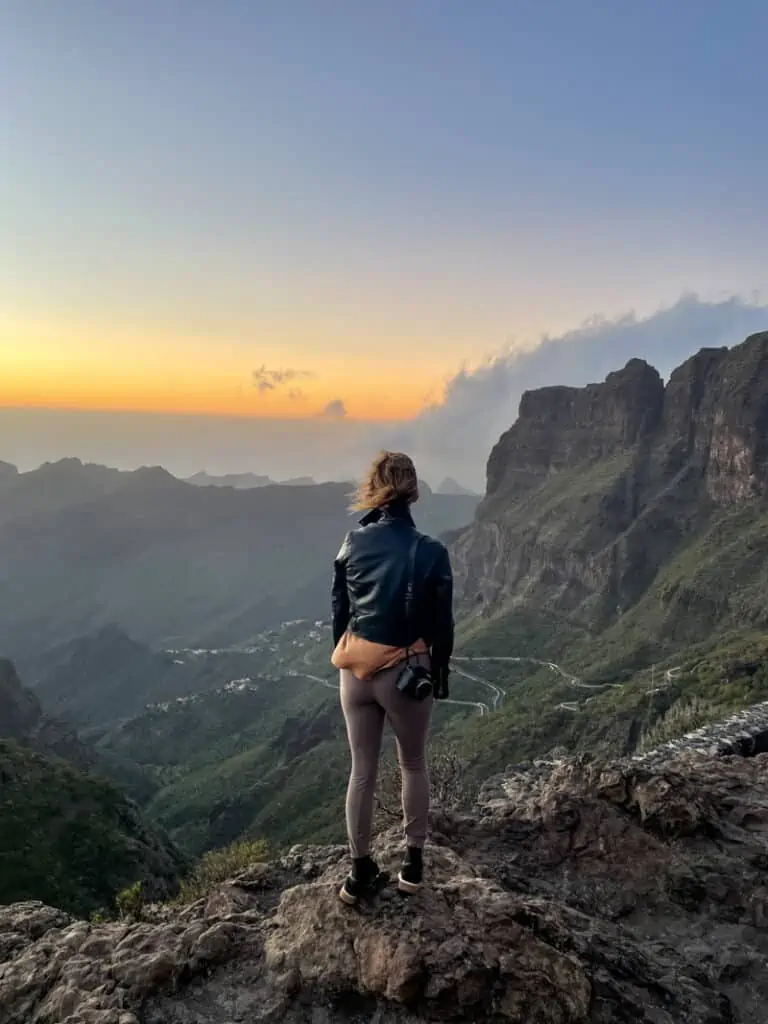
x=365, y=706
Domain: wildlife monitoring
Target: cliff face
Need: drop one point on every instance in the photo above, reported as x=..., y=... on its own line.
x=560, y=428
x=593, y=489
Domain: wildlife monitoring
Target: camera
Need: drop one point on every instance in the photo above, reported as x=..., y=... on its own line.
x=415, y=681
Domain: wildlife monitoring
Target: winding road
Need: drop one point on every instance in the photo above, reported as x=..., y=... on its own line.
x=482, y=708
x=497, y=693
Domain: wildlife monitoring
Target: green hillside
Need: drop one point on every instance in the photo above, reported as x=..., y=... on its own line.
x=73, y=840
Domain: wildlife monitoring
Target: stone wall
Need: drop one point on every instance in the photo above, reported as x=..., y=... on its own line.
x=745, y=733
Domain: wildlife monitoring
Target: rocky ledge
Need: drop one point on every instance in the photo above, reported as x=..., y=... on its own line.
x=573, y=892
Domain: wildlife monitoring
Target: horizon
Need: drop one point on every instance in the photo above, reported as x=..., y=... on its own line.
x=338, y=450
x=278, y=482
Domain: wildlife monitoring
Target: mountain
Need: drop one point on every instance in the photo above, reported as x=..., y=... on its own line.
x=247, y=481
x=67, y=835
x=22, y=720
x=299, y=481
x=103, y=677
x=7, y=472
x=84, y=546
x=618, y=559
x=241, y=481
x=450, y=486
x=570, y=894
x=595, y=492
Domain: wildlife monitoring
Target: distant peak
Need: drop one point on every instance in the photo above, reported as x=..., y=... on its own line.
x=62, y=465
x=153, y=475
x=453, y=487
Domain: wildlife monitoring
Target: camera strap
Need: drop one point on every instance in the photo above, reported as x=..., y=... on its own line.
x=410, y=589
x=410, y=581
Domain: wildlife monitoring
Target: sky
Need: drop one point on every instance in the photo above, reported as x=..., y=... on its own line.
x=337, y=220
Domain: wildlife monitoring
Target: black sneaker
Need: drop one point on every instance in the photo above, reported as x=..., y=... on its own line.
x=365, y=881
x=412, y=872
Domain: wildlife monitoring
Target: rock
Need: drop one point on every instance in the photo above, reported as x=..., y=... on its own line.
x=593, y=490
x=574, y=892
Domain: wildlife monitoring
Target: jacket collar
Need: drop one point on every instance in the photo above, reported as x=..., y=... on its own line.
x=396, y=510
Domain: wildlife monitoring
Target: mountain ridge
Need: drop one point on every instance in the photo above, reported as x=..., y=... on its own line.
x=83, y=546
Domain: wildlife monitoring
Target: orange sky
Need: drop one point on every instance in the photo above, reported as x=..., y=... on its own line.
x=57, y=367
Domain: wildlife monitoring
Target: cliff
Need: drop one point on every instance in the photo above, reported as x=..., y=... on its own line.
x=573, y=893
x=594, y=490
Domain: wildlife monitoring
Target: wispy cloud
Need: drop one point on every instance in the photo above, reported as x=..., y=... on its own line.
x=457, y=433
x=335, y=410
x=265, y=380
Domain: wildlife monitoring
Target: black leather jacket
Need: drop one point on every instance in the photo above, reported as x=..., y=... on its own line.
x=369, y=581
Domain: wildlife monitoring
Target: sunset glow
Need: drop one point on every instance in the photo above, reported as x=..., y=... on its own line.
x=176, y=379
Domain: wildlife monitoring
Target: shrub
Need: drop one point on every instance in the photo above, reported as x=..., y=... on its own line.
x=130, y=902
x=448, y=783
x=217, y=866
x=682, y=718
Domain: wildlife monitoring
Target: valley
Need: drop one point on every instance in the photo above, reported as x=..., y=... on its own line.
x=610, y=590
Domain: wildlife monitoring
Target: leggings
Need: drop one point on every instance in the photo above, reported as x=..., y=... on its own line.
x=365, y=705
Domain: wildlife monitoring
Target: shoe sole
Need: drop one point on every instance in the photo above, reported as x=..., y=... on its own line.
x=347, y=897
x=380, y=882
x=409, y=887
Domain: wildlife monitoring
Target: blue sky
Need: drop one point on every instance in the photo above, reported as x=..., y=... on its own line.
x=194, y=190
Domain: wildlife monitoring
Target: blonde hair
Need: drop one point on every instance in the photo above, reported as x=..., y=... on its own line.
x=392, y=476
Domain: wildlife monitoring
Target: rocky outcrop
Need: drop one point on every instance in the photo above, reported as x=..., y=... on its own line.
x=573, y=893
x=594, y=489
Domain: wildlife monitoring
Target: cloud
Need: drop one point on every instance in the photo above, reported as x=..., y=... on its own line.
x=265, y=380
x=456, y=435
x=335, y=410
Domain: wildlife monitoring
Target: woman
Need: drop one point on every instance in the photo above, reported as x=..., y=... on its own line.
x=393, y=631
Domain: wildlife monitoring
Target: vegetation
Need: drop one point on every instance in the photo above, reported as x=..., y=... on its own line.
x=682, y=717
x=72, y=840
x=449, y=785
x=217, y=866
x=130, y=902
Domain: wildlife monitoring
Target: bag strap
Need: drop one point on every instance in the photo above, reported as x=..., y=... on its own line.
x=410, y=580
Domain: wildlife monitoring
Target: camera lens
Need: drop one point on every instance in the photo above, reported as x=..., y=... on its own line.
x=423, y=689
